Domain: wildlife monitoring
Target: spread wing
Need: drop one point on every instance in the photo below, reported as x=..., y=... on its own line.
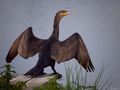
x=26, y=45
x=73, y=47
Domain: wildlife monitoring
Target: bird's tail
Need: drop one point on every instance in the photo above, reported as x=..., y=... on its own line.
x=35, y=71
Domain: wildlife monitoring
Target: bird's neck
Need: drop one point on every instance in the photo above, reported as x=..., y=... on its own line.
x=55, y=33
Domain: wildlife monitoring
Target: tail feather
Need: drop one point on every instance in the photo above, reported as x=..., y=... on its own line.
x=35, y=71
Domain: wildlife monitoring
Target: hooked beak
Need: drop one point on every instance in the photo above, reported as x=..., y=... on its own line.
x=65, y=14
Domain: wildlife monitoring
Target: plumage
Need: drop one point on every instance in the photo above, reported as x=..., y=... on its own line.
x=51, y=49
x=73, y=47
x=26, y=45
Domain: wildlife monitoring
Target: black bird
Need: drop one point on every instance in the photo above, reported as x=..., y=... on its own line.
x=51, y=49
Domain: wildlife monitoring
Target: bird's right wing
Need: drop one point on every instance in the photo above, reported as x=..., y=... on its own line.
x=26, y=45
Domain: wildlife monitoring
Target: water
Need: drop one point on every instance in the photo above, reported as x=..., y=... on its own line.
x=97, y=21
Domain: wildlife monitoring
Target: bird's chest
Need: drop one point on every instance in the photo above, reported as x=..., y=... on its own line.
x=46, y=51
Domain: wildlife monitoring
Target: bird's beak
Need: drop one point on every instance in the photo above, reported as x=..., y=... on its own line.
x=65, y=14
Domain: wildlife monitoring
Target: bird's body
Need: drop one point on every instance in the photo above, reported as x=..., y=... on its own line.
x=44, y=61
x=51, y=49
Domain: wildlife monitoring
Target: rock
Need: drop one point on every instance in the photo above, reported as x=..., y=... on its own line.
x=30, y=81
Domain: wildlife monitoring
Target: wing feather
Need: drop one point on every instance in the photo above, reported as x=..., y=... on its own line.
x=13, y=50
x=26, y=45
x=73, y=47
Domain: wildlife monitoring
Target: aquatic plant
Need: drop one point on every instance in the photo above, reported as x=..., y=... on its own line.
x=6, y=75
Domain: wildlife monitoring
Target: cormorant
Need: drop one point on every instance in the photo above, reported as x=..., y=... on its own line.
x=51, y=49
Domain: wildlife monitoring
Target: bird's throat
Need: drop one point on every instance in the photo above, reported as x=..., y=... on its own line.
x=55, y=33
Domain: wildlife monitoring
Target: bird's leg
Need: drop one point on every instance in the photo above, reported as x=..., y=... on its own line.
x=55, y=73
x=54, y=70
x=53, y=67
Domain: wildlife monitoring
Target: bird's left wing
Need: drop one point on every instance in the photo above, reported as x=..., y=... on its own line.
x=73, y=47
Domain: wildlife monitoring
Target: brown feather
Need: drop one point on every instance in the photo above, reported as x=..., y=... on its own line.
x=26, y=45
x=13, y=50
x=73, y=47
x=50, y=50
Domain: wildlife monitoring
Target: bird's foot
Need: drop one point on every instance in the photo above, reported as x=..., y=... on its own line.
x=58, y=75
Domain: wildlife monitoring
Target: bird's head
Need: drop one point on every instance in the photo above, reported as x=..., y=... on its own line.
x=60, y=14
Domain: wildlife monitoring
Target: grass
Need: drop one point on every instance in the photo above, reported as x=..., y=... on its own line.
x=76, y=79
x=6, y=75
